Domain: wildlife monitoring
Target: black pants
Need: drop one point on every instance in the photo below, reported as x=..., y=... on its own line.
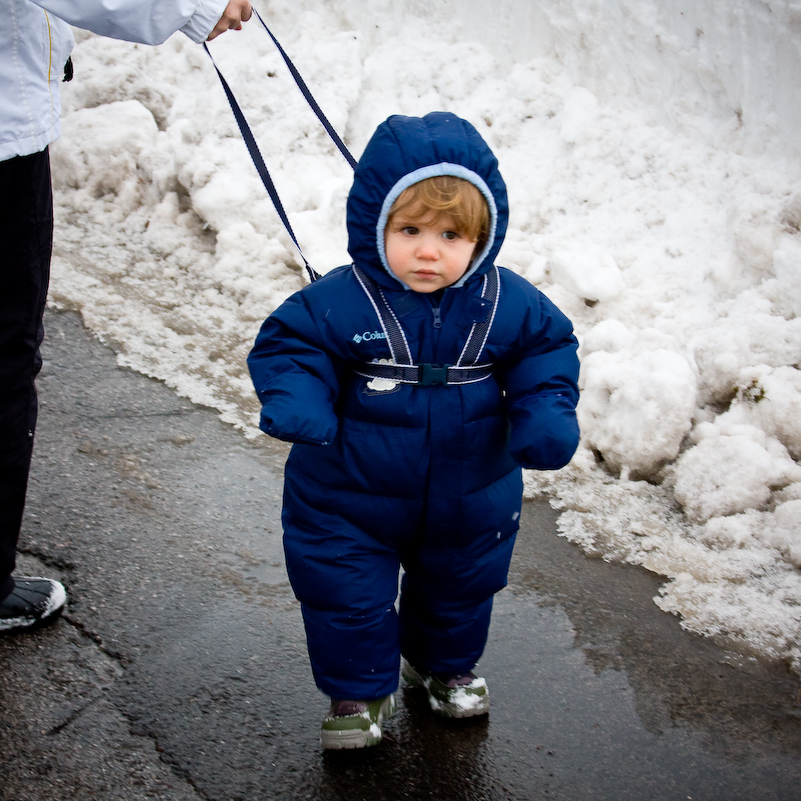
x=26, y=238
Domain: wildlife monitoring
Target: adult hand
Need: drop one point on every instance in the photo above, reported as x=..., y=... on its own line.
x=236, y=12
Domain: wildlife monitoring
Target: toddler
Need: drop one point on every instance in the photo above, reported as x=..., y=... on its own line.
x=415, y=384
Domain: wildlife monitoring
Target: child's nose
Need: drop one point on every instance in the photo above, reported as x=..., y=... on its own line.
x=428, y=247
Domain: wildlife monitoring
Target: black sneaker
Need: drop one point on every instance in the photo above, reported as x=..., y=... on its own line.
x=32, y=603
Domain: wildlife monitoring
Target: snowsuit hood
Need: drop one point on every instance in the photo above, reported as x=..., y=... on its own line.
x=404, y=151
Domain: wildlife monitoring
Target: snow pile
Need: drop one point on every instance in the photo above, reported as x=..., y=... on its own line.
x=668, y=232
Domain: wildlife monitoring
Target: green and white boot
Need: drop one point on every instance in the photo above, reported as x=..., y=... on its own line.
x=355, y=724
x=462, y=695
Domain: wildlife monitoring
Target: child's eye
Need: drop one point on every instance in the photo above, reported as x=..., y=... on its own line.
x=410, y=230
x=450, y=235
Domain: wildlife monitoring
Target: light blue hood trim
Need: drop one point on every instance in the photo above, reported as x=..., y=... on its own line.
x=433, y=171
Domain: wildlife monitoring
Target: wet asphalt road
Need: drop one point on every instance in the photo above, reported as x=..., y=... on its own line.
x=179, y=670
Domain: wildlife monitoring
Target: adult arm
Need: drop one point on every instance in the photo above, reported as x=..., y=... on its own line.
x=151, y=21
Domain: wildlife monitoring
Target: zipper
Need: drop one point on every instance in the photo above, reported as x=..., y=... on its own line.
x=435, y=310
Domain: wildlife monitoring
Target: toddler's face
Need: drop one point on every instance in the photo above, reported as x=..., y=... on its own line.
x=427, y=254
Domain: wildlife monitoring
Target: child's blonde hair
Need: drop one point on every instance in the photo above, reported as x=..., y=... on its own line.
x=447, y=196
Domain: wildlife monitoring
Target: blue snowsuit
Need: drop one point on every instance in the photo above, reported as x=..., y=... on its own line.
x=427, y=477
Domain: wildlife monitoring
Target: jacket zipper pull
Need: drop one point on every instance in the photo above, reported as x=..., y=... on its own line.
x=437, y=317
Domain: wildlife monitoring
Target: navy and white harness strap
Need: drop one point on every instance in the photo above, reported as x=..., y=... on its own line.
x=396, y=339
x=426, y=375
x=402, y=369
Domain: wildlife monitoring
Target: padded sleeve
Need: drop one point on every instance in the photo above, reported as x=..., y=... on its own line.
x=296, y=378
x=541, y=385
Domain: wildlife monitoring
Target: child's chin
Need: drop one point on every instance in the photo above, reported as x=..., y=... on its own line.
x=431, y=284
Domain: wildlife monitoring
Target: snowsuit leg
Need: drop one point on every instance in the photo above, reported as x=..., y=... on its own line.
x=346, y=580
x=446, y=602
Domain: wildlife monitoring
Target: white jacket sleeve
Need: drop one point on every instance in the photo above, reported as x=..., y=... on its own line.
x=145, y=21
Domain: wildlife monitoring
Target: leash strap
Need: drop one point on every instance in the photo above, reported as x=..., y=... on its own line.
x=261, y=167
x=309, y=98
x=253, y=147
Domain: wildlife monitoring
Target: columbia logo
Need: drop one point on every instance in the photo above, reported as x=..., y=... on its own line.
x=368, y=336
